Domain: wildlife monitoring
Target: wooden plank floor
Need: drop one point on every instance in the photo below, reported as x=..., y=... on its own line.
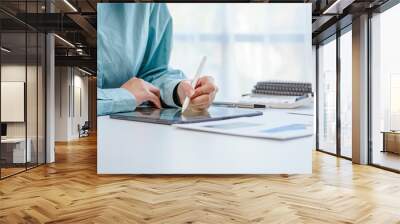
x=70, y=191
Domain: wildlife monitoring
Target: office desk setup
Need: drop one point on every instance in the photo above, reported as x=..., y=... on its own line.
x=130, y=147
x=391, y=141
x=13, y=150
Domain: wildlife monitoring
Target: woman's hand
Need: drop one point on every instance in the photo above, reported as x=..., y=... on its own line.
x=143, y=91
x=202, y=96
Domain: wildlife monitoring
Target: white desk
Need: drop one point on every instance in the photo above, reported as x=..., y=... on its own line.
x=18, y=153
x=128, y=147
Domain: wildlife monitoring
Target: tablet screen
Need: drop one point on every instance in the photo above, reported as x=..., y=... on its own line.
x=175, y=116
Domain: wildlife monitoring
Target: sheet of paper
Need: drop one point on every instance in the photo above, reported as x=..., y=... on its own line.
x=248, y=128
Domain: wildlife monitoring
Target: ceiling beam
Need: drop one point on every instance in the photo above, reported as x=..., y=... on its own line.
x=320, y=22
x=86, y=27
x=81, y=61
x=337, y=7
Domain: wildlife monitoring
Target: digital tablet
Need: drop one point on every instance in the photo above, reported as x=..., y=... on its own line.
x=170, y=116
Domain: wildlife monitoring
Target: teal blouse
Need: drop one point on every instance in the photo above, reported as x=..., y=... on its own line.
x=133, y=40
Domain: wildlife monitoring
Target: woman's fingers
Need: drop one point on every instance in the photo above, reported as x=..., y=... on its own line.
x=205, y=85
x=204, y=80
x=143, y=91
x=154, y=95
x=154, y=99
x=207, y=88
x=204, y=93
x=154, y=89
x=202, y=101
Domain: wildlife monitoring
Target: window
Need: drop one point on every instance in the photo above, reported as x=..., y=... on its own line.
x=385, y=89
x=335, y=74
x=327, y=96
x=346, y=94
x=22, y=78
x=13, y=83
x=243, y=42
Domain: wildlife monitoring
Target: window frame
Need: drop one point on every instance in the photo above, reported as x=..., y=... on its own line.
x=334, y=37
x=379, y=10
x=27, y=29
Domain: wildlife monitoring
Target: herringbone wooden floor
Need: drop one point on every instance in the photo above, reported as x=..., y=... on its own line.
x=70, y=191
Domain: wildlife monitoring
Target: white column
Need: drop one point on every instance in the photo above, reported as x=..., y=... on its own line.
x=360, y=90
x=50, y=99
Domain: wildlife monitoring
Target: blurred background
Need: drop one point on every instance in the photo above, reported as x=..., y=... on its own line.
x=244, y=43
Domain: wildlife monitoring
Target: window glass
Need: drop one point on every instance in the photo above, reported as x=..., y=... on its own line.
x=385, y=84
x=22, y=91
x=32, y=97
x=327, y=97
x=14, y=145
x=346, y=94
x=243, y=43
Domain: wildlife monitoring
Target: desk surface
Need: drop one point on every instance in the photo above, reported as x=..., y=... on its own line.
x=128, y=147
x=13, y=140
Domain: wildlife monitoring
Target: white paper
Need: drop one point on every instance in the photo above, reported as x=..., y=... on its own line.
x=247, y=127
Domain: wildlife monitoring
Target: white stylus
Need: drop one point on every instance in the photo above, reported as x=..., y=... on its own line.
x=194, y=82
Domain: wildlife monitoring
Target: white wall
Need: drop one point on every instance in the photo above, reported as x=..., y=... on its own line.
x=62, y=81
x=13, y=100
x=17, y=73
x=70, y=83
x=14, y=73
x=34, y=126
x=79, y=117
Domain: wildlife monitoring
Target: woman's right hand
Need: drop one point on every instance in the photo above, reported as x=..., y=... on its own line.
x=143, y=91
